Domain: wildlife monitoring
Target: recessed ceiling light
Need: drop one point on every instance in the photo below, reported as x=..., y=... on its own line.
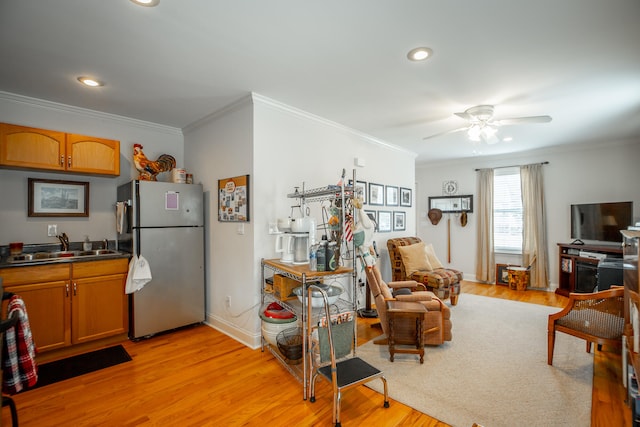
x=88, y=81
x=419, y=54
x=507, y=139
x=148, y=3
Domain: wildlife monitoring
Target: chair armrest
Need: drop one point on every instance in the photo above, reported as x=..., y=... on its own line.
x=406, y=284
x=415, y=297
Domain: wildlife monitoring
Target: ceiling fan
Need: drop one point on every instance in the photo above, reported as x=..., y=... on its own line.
x=483, y=127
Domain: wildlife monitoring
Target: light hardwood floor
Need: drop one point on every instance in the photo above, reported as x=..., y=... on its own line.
x=200, y=377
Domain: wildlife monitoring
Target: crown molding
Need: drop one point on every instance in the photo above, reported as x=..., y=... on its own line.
x=257, y=98
x=93, y=114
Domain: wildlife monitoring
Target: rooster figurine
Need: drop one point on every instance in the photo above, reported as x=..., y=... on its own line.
x=149, y=169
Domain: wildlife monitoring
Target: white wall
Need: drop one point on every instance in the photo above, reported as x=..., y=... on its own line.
x=15, y=225
x=280, y=147
x=599, y=172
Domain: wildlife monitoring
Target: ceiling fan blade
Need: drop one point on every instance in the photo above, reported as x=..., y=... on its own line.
x=445, y=133
x=465, y=115
x=517, y=120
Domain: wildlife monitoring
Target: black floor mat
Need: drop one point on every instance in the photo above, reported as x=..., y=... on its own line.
x=81, y=364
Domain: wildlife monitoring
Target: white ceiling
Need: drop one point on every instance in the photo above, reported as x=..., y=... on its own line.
x=344, y=60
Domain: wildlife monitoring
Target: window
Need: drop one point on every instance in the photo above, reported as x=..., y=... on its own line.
x=507, y=210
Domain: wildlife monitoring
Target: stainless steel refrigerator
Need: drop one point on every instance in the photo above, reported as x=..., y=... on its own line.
x=164, y=223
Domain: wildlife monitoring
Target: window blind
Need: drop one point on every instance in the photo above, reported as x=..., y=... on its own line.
x=507, y=210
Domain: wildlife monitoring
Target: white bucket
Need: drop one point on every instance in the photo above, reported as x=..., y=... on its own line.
x=179, y=176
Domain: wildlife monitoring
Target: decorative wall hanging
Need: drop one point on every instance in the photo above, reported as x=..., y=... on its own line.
x=452, y=204
x=405, y=197
x=58, y=198
x=392, y=195
x=360, y=189
x=233, y=199
x=399, y=219
x=449, y=188
x=376, y=194
x=384, y=221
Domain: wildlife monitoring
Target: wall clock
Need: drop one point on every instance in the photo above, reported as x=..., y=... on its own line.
x=449, y=187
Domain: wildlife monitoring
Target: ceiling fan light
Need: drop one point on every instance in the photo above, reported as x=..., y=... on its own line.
x=474, y=133
x=488, y=132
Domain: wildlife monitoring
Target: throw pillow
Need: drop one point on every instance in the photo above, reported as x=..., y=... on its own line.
x=431, y=256
x=414, y=258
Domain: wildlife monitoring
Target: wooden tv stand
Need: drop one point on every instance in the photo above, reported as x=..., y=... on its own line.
x=570, y=259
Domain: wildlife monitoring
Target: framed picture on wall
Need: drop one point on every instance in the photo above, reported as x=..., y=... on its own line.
x=48, y=197
x=376, y=194
x=405, y=197
x=392, y=195
x=233, y=199
x=373, y=217
x=360, y=190
x=384, y=221
x=399, y=219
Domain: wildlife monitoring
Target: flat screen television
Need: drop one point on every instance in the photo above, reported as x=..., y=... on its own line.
x=600, y=221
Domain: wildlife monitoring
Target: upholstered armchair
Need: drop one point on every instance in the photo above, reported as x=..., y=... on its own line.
x=437, y=323
x=596, y=317
x=430, y=271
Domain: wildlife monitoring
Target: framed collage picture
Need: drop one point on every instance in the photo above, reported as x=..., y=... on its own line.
x=233, y=199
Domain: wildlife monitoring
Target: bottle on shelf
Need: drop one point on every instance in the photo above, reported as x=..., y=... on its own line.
x=313, y=257
x=332, y=256
x=321, y=254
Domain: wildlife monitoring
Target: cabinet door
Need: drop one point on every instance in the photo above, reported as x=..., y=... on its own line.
x=48, y=308
x=26, y=147
x=99, y=307
x=88, y=154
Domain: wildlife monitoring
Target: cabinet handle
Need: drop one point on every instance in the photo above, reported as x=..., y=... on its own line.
x=66, y=285
x=69, y=161
x=75, y=289
x=62, y=160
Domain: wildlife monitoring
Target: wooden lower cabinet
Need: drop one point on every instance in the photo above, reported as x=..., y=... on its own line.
x=87, y=305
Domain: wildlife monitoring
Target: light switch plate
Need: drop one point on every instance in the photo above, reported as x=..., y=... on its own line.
x=52, y=230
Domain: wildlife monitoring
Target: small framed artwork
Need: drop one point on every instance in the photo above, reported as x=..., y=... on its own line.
x=405, y=197
x=373, y=217
x=376, y=194
x=233, y=199
x=392, y=195
x=502, y=274
x=399, y=219
x=58, y=198
x=384, y=221
x=360, y=190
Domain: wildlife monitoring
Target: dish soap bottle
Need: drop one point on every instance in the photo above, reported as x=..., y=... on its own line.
x=86, y=245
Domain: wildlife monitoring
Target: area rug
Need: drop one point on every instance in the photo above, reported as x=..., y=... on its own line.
x=52, y=372
x=494, y=372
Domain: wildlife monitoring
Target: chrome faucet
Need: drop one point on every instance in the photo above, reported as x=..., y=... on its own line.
x=105, y=244
x=64, y=240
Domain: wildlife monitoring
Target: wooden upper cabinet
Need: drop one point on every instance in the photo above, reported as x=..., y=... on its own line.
x=92, y=155
x=32, y=148
x=26, y=147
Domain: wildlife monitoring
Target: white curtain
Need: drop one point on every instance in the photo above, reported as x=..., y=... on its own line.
x=534, y=234
x=485, y=261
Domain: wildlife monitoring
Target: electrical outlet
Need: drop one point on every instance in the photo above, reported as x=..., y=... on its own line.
x=227, y=301
x=52, y=230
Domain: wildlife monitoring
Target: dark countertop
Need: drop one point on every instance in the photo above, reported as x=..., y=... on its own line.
x=74, y=246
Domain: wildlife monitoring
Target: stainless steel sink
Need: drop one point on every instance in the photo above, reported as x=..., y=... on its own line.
x=39, y=256
x=97, y=252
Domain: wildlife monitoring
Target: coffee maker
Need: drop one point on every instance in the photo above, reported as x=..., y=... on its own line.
x=303, y=231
